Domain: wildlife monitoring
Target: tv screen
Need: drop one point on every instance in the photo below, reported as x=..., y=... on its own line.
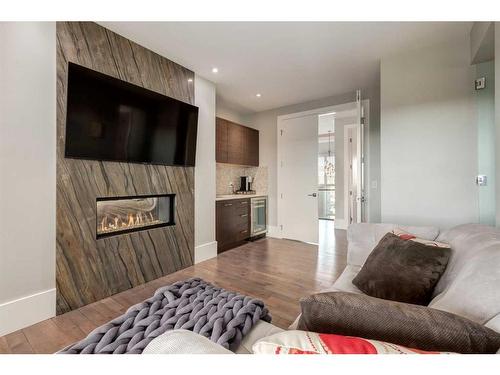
x=110, y=119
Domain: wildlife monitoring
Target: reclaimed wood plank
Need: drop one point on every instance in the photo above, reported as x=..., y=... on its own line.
x=17, y=342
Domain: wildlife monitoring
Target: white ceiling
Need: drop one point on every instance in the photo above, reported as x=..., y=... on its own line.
x=287, y=62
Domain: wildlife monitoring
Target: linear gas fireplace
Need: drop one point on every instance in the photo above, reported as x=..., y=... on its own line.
x=119, y=215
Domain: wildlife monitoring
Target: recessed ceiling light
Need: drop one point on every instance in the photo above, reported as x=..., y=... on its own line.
x=258, y=95
x=190, y=80
x=215, y=70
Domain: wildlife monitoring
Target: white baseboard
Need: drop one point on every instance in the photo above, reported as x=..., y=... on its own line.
x=206, y=251
x=273, y=231
x=340, y=224
x=25, y=311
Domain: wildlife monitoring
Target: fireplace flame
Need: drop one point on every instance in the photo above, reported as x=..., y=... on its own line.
x=112, y=223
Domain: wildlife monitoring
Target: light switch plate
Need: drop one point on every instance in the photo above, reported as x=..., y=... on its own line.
x=480, y=83
x=481, y=180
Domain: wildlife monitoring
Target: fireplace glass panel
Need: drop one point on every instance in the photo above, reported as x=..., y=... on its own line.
x=121, y=215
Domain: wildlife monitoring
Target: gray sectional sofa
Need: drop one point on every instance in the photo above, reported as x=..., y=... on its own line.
x=470, y=286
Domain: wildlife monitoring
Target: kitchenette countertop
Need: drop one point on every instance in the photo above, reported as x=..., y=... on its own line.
x=238, y=196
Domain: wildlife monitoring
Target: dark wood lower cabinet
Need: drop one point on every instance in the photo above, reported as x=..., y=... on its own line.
x=232, y=223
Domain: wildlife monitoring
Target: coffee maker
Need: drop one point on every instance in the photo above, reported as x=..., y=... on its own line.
x=246, y=185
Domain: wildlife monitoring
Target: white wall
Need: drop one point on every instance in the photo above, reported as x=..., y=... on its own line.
x=232, y=115
x=497, y=120
x=204, y=193
x=428, y=137
x=482, y=42
x=231, y=112
x=485, y=110
x=27, y=173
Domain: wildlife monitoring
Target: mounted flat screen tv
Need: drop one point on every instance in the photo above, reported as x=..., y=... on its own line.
x=113, y=120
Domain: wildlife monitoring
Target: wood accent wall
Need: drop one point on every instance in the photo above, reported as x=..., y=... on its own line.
x=88, y=269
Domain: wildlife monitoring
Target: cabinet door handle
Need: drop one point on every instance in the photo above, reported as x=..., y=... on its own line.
x=228, y=204
x=244, y=231
x=244, y=215
x=243, y=202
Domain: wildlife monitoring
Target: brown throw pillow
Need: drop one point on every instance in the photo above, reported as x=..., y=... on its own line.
x=402, y=270
x=398, y=323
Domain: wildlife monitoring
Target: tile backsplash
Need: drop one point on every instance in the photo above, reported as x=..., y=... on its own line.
x=227, y=173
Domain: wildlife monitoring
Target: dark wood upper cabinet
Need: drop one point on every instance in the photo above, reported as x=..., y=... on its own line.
x=236, y=144
x=252, y=143
x=221, y=141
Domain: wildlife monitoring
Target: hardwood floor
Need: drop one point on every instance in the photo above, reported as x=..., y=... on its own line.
x=277, y=271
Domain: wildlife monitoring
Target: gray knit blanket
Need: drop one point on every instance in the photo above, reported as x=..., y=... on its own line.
x=224, y=317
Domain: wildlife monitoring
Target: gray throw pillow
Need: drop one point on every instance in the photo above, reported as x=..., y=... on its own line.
x=402, y=270
x=413, y=326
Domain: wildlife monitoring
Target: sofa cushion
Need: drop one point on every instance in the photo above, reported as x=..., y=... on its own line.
x=363, y=237
x=259, y=330
x=411, y=237
x=404, y=324
x=342, y=284
x=402, y=270
x=344, y=281
x=465, y=241
x=470, y=285
x=181, y=341
x=494, y=323
x=302, y=342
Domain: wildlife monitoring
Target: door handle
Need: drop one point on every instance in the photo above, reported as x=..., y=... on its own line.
x=312, y=195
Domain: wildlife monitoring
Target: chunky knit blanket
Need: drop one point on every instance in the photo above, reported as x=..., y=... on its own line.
x=224, y=317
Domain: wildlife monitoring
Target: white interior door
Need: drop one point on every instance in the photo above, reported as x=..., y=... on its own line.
x=298, y=178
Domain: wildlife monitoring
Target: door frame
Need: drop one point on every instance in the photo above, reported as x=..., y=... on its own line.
x=279, y=120
x=346, y=172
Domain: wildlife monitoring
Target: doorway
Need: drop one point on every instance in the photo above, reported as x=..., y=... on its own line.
x=326, y=166
x=312, y=195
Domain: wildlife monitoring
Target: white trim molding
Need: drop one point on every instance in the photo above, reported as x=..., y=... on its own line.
x=205, y=251
x=347, y=170
x=25, y=311
x=273, y=231
x=317, y=111
x=340, y=223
